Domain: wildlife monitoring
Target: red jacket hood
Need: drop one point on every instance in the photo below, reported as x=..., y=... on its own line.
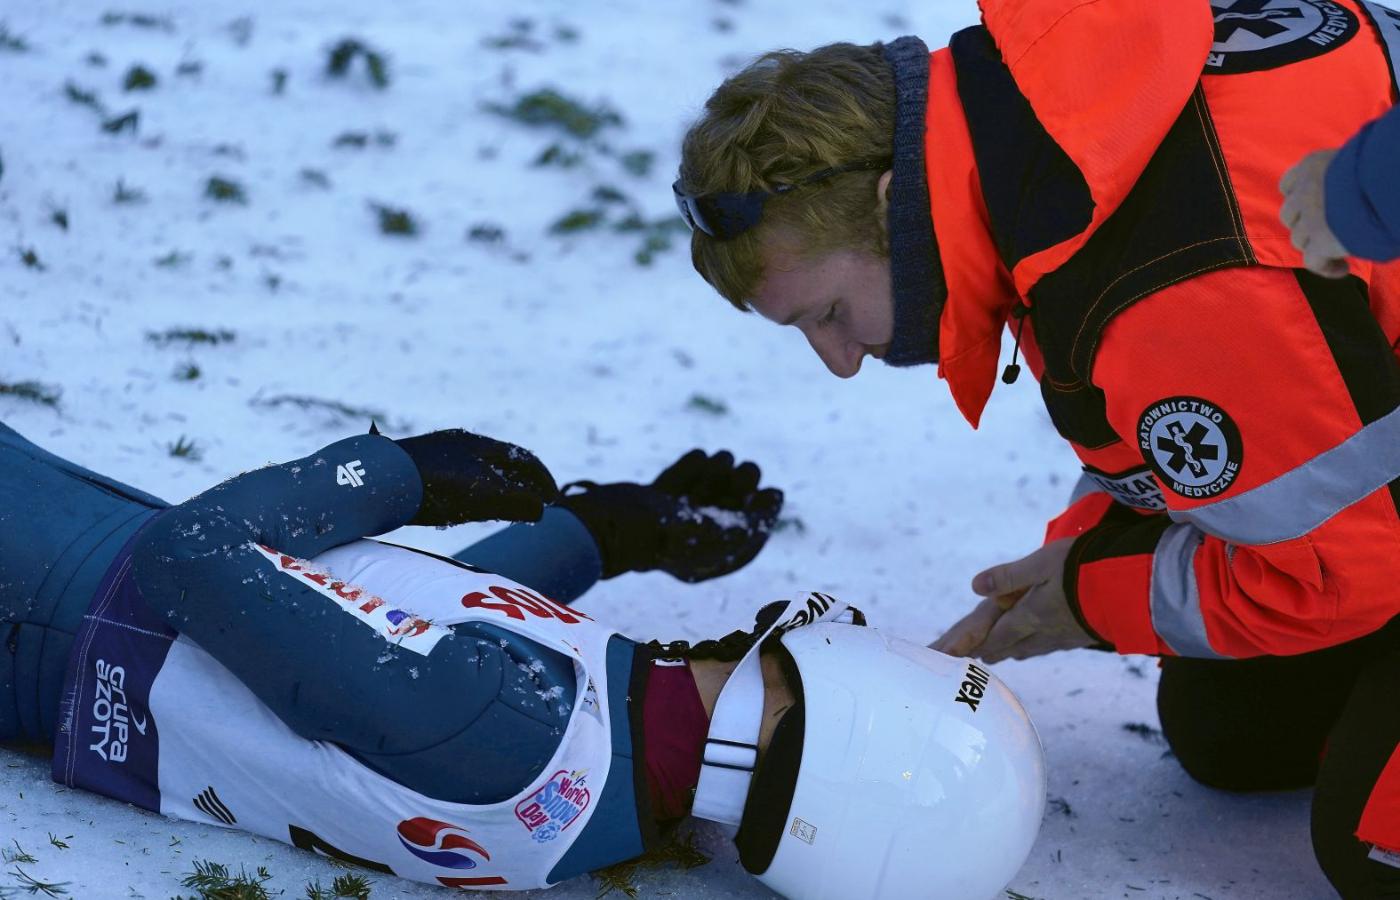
x=1106, y=80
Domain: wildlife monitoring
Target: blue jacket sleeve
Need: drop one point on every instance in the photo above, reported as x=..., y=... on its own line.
x=556, y=556
x=302, y=508
x=1363, y=194
x=192, y=562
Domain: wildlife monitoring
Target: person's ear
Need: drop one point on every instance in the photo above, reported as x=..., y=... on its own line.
x=882, y=197
x=882, y=191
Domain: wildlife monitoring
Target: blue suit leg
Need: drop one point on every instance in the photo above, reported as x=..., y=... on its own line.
x=60, y=527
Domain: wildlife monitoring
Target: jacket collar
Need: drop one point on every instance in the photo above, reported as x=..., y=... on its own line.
x=915, y=267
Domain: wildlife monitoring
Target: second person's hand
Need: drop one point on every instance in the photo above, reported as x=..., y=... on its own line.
x=1304, y=211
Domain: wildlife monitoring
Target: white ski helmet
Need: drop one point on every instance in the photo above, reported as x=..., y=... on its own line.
x=900, y=772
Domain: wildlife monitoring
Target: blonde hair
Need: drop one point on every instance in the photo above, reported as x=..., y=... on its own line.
x=786, y=116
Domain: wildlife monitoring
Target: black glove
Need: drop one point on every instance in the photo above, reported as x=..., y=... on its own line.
x=470, y=478
x=701, y=518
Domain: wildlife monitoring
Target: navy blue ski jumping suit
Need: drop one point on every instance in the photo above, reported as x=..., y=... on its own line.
x=468, y=725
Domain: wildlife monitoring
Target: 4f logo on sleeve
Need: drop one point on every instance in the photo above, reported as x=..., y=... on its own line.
x=1192, y=445
x=351, y=474
x=1251, y=35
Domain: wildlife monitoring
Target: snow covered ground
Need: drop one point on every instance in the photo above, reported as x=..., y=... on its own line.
x=565, y=343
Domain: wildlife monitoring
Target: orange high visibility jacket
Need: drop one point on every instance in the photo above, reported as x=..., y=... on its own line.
x=1112, y=167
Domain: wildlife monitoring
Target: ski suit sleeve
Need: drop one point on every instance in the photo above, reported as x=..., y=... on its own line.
x=556, y=556
x=1363, y=196
x=302, y=508
x=1297, y=546
x=472, y=722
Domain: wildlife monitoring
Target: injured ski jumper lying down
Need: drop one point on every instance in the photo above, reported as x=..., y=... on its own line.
x=249, y=660
x=1103, y=179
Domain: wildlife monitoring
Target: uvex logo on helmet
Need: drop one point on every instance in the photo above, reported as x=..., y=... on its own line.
x=440, y=843
x=973, y=688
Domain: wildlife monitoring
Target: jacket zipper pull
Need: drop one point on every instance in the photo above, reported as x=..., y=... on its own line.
x=1013, y=371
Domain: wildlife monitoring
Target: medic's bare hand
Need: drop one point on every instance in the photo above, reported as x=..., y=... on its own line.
x=968, y=633
x=1025, y=612
x=471, y=478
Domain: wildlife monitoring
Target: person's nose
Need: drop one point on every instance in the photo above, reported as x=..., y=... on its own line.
x=841, y=357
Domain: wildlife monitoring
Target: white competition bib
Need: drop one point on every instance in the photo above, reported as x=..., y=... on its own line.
x=208, y=750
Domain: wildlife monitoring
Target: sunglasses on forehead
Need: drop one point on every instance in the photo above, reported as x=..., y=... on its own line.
x=728, y=214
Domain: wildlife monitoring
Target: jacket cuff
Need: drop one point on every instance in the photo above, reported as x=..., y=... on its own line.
x=1111, y=596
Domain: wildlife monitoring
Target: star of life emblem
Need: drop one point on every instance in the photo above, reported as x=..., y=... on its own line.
x=1192, y=445
x=1251, y=35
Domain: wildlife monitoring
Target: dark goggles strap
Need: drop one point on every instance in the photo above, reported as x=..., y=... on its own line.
x=728, y=214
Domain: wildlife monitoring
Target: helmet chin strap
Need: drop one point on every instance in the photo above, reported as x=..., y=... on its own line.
x=731, y=748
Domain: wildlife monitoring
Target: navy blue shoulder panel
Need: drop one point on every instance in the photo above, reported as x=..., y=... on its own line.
x=1035, y=194
x=622, y=826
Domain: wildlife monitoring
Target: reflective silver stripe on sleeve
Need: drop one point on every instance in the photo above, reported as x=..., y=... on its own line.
x=1176, y=601
x=1300, y=500
x=1085, y=486
x=1387, y=22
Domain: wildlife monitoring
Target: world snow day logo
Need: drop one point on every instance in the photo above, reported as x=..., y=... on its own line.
x=440, y=843
x=555, y=806
x=1251, y=35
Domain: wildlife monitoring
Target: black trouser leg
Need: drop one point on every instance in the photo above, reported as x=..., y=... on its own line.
x=1361, y=743
x=1261, y=724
